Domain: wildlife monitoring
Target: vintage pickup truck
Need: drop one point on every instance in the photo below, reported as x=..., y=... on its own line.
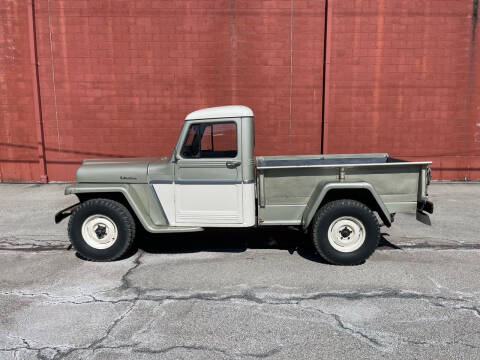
x=212, y=179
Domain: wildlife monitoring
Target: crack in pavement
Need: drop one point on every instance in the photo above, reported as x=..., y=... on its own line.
x=251, y=296
x=32, y=247
x=355, y=330
x=475, y=310
x=61, y=352
x=35, y=236
x=377, y=343
x=14, y=243
x=209, y=349
x=349, y=328
x=95, y=345
x=434, y=343
x=175, y=347
x=264, y=355
x=38, y=350
x=125, y=282
x=438, y=247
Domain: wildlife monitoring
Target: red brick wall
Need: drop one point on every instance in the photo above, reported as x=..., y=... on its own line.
x=117, y=78
x=405, y=79
x=18, y=142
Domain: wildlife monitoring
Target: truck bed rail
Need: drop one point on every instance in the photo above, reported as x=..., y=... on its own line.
x=285, y=162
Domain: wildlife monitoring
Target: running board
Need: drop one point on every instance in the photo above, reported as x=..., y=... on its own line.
x=174, y=229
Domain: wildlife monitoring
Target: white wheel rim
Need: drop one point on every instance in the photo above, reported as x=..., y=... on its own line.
x=346, y=234
x=99, y=231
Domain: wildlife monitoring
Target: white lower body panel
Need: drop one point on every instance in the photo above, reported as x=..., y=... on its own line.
x=208, y=205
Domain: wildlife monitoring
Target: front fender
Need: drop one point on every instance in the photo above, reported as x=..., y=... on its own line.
x=140, y=197
x=322, y=190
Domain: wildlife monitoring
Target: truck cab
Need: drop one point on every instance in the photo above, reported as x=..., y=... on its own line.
x=212, y=179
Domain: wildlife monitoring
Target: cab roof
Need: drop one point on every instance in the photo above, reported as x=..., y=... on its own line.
x=229, y=111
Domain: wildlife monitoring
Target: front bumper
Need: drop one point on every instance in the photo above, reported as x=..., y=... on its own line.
x=62, y=214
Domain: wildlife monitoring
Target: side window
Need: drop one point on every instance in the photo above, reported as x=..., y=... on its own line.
x=211, y=140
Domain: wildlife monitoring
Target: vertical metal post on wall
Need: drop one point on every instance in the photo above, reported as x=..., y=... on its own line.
x=42, y=162
x=327, y=35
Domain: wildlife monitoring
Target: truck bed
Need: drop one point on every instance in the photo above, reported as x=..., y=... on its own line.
x=285, y=184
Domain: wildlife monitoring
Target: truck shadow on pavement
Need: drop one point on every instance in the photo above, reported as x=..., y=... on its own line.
x=236, y=241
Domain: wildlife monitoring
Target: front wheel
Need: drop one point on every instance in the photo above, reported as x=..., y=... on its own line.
x=345, y=232
x=101, y=229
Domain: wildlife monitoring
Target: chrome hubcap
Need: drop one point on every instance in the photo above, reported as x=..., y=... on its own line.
x=346, y=234
x=99, y=231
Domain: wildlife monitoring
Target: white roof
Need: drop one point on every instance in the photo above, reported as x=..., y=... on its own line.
x=220, y=112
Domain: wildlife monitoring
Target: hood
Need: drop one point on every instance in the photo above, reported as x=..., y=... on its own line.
x=116, y=170
x=110, y=161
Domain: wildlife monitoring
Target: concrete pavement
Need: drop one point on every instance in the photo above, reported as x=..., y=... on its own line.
x=239, y=294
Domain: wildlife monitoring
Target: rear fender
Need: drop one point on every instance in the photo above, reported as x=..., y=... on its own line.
x=322, y=190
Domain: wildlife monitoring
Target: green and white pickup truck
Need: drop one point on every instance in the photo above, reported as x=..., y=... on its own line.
x=212, y=179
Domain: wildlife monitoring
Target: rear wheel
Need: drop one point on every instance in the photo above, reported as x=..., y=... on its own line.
x=345, y=232
x=101, y=229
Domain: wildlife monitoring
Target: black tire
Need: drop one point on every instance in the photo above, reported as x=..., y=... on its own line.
x=116, y=212
x=334, y=210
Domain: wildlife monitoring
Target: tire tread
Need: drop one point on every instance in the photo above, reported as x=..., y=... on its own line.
x=323, y=211
x=115, y=206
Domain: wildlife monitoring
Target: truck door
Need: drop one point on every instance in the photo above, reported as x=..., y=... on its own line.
x=208, y=174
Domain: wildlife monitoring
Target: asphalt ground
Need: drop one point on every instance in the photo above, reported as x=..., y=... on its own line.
x=239, y=294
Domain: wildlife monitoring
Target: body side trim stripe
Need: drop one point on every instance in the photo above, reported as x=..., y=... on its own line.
x=160, y=182
x=220, y=182
x=280, y=222
x=251, y=181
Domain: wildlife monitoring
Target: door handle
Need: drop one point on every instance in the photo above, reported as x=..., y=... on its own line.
x=233, y=164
